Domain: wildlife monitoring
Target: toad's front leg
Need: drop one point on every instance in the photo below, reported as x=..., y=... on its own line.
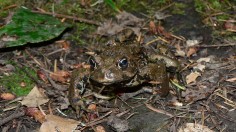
x=78, y=82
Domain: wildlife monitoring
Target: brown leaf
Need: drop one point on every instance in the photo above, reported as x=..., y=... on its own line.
x=34, y=98
x=36, y=113
x=92, y=107
x=124, y=20
x=42, y=76
x=193, y=127
x=192, y=77
x=63, y=44
x=161, y=30
x=60, y=76
x=55, y=123
x=7, y=96
x=100, y=129
x=197, y=93
x=230, y=26
x=152, y=27
x=191, y=51
x=231, y=79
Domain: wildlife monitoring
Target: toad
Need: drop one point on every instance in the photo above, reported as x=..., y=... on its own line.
x=123, y=66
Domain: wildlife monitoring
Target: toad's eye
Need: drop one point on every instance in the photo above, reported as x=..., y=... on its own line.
x=123, y=63
x=93, y=63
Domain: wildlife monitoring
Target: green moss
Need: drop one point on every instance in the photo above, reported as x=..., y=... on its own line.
x=215, y=11
x=14, y=80
x=82, y=32
x=179, y=8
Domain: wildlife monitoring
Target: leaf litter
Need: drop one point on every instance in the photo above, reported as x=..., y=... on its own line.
x=202, y=76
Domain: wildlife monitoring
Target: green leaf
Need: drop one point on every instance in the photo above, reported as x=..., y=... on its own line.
x=28, y=27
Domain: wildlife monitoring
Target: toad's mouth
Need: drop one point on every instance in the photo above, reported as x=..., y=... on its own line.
x=105, y=82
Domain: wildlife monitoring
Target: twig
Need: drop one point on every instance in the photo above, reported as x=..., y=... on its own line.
x=158, y=110
x=94, y=122
x=219, y=45
x=97, y=121
x=11, y=117
x=68, y=17
x=9, y=7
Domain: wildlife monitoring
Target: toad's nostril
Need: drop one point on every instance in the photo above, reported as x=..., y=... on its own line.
x=109, y=75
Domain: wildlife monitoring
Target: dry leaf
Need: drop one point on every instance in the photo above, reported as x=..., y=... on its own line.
x=180, y=53
x=231, y=79
x=191, y=43
x=230, y=26
x=42, y=76
x=34, y=98
x=63, y=44
x=7, y=96
x=192, y=127
x=58, y=124
x=191, y=51
x=60, y=76
x=124, y=20
x=161, y=30
x=192, y=77
x=92, y=107
x=100, y=129
x=206, y=59
x=199, y=67
x=36, y=113
x=152, y=27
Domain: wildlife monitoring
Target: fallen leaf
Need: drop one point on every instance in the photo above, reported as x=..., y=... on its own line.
x=100, y=129
x=191, y=51
x=36, y=113
x=63, y=44
x=230, y=26
x=206, y=59
x=180, y=53
x=152, y=27
x=161, y=30
x=42, y=76
x=194, y=127
x=200, y=67
x=191, y=43
x=197, y=93
x=92, y=107
x=231, y=79
x=192, y=77
x=125, y=20
x=58, y=124
x=34, y=98
x=60, y=76
x=7, y=96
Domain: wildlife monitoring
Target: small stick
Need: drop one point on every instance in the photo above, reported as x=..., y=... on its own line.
x=158, y=110
x=221, y=45
x=11, y=117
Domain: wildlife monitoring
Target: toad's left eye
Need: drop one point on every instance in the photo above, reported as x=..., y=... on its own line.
x=123, y=63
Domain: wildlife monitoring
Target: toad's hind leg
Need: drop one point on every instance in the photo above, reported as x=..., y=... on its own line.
x=157, y=76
